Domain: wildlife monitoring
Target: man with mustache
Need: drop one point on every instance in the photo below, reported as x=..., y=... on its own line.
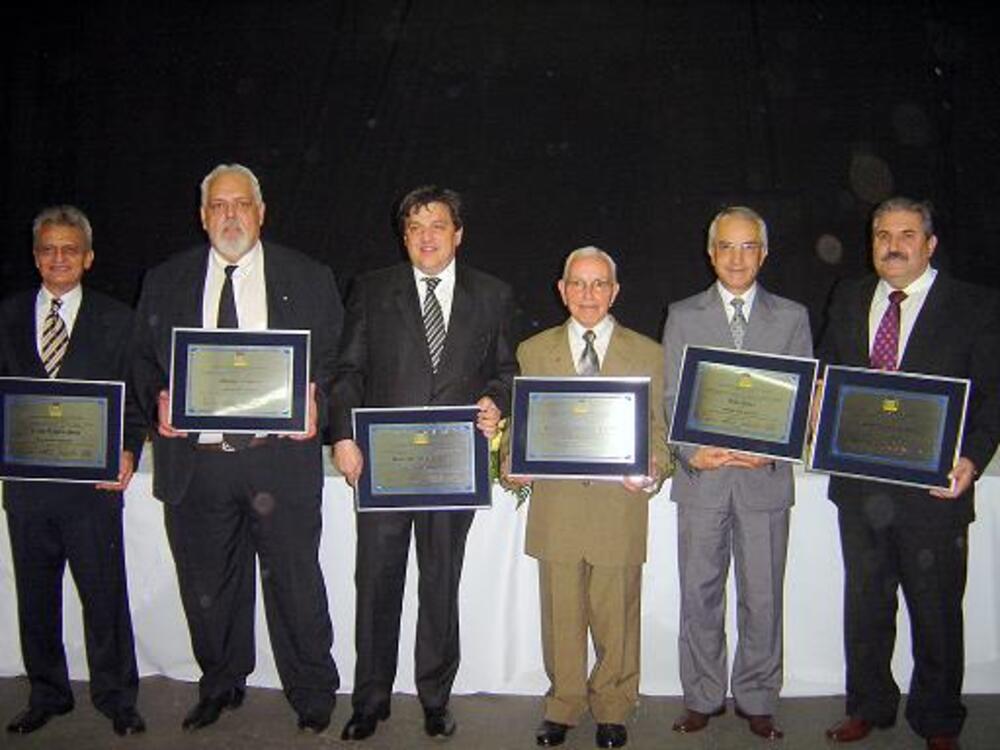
x=231, y=500
x=910, y=316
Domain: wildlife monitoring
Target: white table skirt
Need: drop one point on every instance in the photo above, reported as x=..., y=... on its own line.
x=501, y=650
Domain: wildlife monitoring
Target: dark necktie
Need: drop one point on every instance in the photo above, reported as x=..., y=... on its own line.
x=738, y=325
x=433, y=322
x=589, y=364
x=886, y=347
x=227, y=317
x=55, y=339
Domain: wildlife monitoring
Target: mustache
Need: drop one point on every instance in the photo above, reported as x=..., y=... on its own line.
x=893, y=255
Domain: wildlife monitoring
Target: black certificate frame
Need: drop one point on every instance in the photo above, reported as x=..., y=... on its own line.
x=894, y=388
x=685, y=431
x=528, y=387
x=368, y=498
x=110, y=393
x=182, y=339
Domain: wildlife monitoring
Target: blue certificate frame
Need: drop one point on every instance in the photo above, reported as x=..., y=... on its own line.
x=715, y=405
x=192, y=392
x=568, y=451
x=895, y=427
x=61, y=430
x=423, y=458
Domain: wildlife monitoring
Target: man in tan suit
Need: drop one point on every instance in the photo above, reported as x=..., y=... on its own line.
x=590, y=537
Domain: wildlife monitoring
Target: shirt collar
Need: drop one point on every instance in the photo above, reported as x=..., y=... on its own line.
x=727, y=296
x=920, y=284
x=72, y=297
x=602, y=330
x=447, y=274
x=245, y=262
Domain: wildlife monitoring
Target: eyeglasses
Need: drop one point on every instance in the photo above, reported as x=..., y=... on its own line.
x=728, y=247
x=597, y=286
x=238, y=206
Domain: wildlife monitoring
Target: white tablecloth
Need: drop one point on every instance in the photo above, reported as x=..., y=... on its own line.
x=501, y=652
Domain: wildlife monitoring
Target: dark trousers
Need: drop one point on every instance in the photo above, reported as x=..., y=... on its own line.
x=929, y=564
x=380, y=574
x=240, y=506
x=84, y=528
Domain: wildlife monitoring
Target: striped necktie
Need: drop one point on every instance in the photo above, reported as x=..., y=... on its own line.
x=433, y=322
x=55, y=339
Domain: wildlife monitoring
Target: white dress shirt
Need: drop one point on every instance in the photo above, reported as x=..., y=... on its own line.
x=727, y=297
x=249, y=289
x=70, y=307
x=602, y=338
x=909, y=308
x=445, y=291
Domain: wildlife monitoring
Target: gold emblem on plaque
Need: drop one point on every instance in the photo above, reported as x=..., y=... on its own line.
x=745, y=381
x=55, y=411
x=421, y=438
x=240, y=359
x=581, y=407
x=890, y=405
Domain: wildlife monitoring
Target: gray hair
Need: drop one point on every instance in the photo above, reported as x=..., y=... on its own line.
x=63, y=216
x=742, y=212
x=238, y=169
x=902, y=203
x=590, y=252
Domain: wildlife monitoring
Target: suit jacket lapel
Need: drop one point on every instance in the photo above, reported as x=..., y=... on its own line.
x=408, y=305
x=86, y=328
x=923, y=339
x=460, y=324
x=189, y=292
x=28, y=343
x=616, y=360
x=715, y=317
x=858, y=331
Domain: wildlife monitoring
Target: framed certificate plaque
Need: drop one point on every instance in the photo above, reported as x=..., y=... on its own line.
x=239, y=381
x=746, y=401
x=425, y=458
x=580, y=427
x=61, y=430
x=895, y=427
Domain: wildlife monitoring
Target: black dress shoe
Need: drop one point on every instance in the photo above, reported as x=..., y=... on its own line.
x=611, y=735
x=127, y=721
x=33, y=718
x=551, y=733
x=361, y=726
x=207, y=710
x=314, y=724
x=438, y=722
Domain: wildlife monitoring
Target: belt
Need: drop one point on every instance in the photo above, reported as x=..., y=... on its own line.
x=226, y=447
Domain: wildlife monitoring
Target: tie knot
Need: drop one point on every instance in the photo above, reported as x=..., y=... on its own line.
x=897, y=296
x=56, y=304
x=737, y=303
x=589, y=336
x=230, y=270
x=432, y=282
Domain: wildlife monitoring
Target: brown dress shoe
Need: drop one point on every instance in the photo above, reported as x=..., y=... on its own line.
x=943, y=743
x=761, y=724
x=850, y=729
x=695, y=721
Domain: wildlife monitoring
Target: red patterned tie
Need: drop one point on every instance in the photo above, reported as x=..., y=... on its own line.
x=885, y=351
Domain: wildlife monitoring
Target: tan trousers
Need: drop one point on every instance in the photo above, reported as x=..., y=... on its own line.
x=605, y=599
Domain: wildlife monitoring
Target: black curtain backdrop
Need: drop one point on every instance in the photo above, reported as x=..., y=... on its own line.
x=564, y=123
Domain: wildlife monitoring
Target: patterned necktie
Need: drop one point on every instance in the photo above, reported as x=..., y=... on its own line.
x=738, y=325
x=886, y=347
x=589, y=364
x=433, y=322
x=55, y=339
x=227, y=317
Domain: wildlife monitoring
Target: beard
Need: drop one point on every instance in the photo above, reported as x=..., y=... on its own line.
x=232, y=240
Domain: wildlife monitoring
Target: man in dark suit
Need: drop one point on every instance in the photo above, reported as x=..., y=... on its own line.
x=911, y=317
x=590, y=537
x=732, y=505
x=230, y=500
x=64, y=331
x=428, y=332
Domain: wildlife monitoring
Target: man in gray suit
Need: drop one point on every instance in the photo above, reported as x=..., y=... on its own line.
x=731, y=504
